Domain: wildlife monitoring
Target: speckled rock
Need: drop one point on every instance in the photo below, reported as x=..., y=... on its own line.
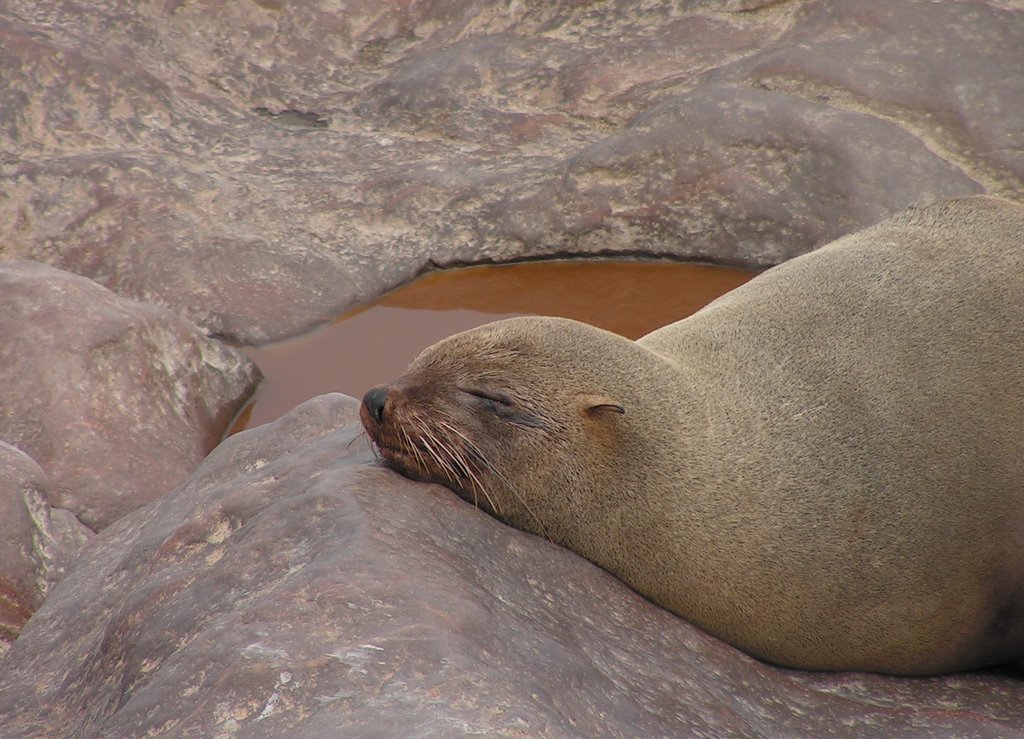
x=292, y=586
x=37, y=542
x=261, y=167
x=116, y=400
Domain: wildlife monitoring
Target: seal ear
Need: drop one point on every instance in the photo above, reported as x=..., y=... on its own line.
x=597, y=404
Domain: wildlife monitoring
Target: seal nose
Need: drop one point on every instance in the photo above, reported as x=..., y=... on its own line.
x=374, y=401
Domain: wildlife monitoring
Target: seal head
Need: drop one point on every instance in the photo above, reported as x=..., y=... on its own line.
x=461, y=418
x=824, y=467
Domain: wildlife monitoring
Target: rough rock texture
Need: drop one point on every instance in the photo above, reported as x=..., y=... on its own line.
x=292, y=585
x=36, y=544
x=259, y=167
x=116, y=400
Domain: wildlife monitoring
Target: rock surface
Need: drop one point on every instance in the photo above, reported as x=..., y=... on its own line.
x=293, y=586
x=116, y=400
x=262, y=167
x=37, y=541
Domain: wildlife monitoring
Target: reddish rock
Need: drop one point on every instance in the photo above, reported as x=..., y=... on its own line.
x=920, y=70
x=116, y=400
x=37, y=542
x=261, y=168
x=292, y=586
x=759, y=188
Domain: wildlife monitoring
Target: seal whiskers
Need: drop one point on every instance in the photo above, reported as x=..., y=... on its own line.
x=409, y=446
x=511, y=488
x=456, y=468
x=790, y=467
x=479, y=455
x=467, y=468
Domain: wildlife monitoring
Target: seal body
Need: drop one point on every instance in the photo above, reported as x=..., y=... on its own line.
x=824, y=467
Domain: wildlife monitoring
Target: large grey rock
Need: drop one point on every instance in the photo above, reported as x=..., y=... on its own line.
x=37, y=542
x=116, y=400
x=263, y=166
x=293, y=587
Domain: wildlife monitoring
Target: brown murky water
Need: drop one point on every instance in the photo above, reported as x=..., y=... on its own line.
x=374, y=343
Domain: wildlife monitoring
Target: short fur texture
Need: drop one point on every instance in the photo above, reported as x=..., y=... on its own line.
x=824, y=467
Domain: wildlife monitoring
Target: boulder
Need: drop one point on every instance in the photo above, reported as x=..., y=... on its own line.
x=37, y=543
x=116, y=400
x=262, y=168
x=293, y=586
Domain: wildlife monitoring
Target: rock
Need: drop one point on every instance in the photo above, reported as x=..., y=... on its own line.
x=866, y=56
x=116, y=400
x=37, y=542
x=293, y=586
x=755, y=203
x=261, y=169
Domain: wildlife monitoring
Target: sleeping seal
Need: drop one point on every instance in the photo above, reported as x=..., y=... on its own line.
x=824, y=467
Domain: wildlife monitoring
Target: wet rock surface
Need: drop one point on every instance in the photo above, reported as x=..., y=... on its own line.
x=116, y=400
x=292, y=585
x=263, y=167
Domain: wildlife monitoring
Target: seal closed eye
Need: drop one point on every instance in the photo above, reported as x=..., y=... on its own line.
x=824, y=467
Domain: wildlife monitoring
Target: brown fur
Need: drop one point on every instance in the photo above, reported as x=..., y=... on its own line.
x=824, y=467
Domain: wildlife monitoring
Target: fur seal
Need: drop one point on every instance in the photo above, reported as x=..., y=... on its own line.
x=823, y=467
